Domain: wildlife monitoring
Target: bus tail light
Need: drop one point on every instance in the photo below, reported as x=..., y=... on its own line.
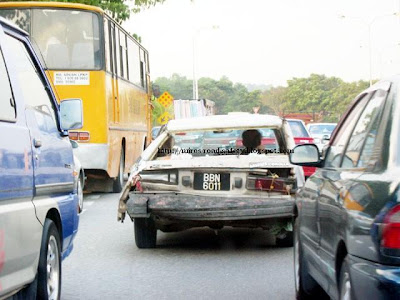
x=84, y=136
x=81, y=136
x=390, y=241
x=73, y=135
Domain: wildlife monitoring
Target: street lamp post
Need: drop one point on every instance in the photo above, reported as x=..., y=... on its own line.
x=369, y=26
x=195, y=82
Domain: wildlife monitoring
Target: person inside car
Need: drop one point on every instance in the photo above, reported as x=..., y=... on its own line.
x=252, y=141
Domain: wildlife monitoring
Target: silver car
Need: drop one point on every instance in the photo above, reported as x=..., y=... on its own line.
x=321, y=132
x=174, y=187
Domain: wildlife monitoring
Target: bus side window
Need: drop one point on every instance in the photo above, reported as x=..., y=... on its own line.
x=117, y=66
x=142, y=69
x=107, y=44
x=122, y=52
x=134, y=62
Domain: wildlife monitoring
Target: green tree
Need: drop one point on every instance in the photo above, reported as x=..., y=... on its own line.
x=274, y=100
x=118, y=9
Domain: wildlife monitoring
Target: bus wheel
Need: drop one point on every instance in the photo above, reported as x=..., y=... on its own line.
x=119, y=181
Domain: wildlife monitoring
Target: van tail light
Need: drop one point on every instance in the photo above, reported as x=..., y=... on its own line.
x=390, y=241
x=270, y=184
x=81, y=136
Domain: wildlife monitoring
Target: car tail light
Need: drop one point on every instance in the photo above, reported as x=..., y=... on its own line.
x=391, y=231
x=81, y=136
x=271, y=184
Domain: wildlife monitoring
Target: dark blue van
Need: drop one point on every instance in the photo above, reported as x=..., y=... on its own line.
x=38, y=190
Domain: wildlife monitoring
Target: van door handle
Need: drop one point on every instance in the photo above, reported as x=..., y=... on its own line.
x=37, y=143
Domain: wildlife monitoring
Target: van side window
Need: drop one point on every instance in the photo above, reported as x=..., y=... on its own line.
x=32, y=86
x=7, y=104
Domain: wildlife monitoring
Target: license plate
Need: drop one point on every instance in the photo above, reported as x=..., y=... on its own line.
x=212, y=181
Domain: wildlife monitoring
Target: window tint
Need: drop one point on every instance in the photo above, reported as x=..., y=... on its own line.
x=7, y=109
x=335, y=152
x=32, y=87
x=369, y=118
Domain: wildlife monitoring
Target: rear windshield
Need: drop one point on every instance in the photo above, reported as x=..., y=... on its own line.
x=223, y=142
x=298, y=129
x=322, y=129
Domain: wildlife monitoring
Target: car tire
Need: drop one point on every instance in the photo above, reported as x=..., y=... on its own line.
x=49, y=269
x=80, y=192
x=145, y=233
x=345, y=288
x=306, y=287
x=119, y=181
x=286, y=240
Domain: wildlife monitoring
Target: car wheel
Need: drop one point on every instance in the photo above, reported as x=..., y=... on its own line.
x=49, y=270
x=285, y=240
x=145, y=233
x=306, y=286
x=346, y=292
x=119, y=181
x=80, y=192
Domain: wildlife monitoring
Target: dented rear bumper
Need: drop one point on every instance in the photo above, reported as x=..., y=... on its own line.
x=196, y=207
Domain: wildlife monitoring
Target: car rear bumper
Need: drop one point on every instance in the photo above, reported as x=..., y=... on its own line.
x=374, y=281
x=196, y=207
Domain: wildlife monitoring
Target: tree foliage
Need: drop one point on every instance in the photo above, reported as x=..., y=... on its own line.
x=317, y=93
x=328, y=96
x=118, y=9
x=226, y=95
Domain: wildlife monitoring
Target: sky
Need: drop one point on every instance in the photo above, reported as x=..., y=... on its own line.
x=270, y=42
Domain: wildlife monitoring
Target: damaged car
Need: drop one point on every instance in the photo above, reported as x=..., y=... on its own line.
x=179, y=183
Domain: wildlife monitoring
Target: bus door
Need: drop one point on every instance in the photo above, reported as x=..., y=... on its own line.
x=114, y=42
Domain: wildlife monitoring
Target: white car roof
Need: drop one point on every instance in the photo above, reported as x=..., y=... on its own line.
x=218, y=122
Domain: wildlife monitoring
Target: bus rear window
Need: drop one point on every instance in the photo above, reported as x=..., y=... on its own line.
x=67, y=39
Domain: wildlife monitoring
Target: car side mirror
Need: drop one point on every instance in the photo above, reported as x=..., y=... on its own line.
x=71, y=114
x=305, y=155
x=325, y=139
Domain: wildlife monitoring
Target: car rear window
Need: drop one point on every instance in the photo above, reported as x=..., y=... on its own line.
x=221, y=142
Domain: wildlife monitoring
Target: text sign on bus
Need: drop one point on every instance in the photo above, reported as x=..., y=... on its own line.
x=71, y=78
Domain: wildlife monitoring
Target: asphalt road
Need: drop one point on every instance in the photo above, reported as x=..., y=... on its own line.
x=193, y=264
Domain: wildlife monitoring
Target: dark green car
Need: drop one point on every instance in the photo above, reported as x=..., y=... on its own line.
x=347, y=224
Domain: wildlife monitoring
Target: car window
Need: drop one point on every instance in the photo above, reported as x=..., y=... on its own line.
x=334, y=155
x=298, y=129
x=32, y=87
x=7, y=109
x=364, y=132
x=322, y=129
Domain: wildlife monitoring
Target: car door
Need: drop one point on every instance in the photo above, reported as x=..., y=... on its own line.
x=338, y=181
x=315, y=191
x=52, y=153
x=20, y=231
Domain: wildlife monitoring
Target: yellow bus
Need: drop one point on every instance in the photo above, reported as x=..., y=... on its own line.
x=89, y=56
